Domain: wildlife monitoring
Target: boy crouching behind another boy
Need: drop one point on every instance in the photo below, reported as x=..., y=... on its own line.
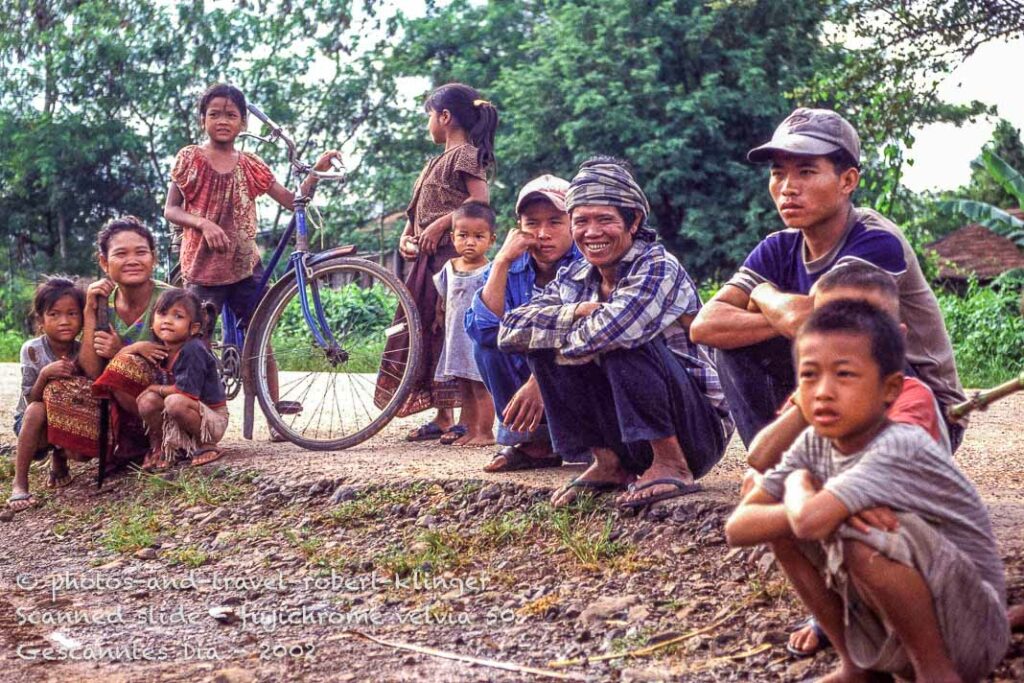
x=925, y=601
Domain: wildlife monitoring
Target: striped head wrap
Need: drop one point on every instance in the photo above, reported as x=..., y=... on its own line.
x=609, y=184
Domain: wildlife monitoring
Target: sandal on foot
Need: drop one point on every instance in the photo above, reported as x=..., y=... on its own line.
x=206, y=455
x=682, y=489
x=428, y=431
x=15, y=498
x=517, y=459
x=823, y=642
x=455, y=433
x=55, y=482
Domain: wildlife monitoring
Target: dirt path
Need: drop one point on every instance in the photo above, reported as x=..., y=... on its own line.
x=411, y=544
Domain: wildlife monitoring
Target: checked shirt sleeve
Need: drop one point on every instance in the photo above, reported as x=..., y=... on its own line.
x=540, y=324
x=645, y=302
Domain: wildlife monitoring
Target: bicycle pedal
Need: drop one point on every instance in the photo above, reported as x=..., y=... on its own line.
x=288, y=407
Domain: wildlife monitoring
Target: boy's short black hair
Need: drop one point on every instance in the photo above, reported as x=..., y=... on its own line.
x=53, y=289
x=859, y=275
x=236, y=96
x=123, y=224
x=848, y=316
x=842, y=161
x=476, y=210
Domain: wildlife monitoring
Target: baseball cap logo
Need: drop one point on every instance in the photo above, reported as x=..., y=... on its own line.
x=797, y=121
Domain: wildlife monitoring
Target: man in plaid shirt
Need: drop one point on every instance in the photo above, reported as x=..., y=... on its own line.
x=607, y=342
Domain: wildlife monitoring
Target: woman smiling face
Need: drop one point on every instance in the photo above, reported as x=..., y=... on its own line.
x=129, y=260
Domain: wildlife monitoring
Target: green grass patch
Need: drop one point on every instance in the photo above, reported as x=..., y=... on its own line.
x=192, y=487
x=188, y=556
x=133, y=528
x=433, y=551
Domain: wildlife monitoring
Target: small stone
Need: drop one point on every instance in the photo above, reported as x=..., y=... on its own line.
x=427, y=521
x=343, y=494
x=606, y=607
x=764, y=564
x=491, y=492
x=797, y=670
x=146, y=554
x=234, y=675
x=217, y=515
x=6, y=515
x=225, y=615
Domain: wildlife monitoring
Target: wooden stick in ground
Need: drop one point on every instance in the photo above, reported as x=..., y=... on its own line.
x=648, y=649
x=490, y=663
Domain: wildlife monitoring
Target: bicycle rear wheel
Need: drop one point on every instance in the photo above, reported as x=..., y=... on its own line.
x=329, y=397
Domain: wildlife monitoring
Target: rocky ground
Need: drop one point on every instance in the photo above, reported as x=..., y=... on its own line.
x=270, y=564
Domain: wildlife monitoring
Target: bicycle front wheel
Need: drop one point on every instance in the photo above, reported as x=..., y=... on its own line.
x=330, y=396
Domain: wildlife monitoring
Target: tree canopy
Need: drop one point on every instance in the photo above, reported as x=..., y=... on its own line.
x=96, y=97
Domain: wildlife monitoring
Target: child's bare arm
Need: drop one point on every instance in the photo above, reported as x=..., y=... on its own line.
x=771, y=442
x=813, y=513
x=174, y=211
x=478, y=190
x=759, y=518
x=54, y=370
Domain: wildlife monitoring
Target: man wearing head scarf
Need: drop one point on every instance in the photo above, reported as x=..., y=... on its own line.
x=607, y=342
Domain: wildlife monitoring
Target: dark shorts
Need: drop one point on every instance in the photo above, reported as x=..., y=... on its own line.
x=241, y=297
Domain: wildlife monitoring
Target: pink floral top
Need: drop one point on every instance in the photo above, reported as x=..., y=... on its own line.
x=227, y=199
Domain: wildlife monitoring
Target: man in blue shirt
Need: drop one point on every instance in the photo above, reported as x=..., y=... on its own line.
x=529, y=259
x=815, y=167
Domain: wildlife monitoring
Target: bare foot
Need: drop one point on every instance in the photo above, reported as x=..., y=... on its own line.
x=850, y=674
x=473, y=440
x=657, y=471
x=1016, y=616
x=805, y=640
x=606, y=469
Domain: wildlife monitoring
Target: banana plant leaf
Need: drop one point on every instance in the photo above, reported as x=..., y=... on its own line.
x=1007, y=176
x=985, y=214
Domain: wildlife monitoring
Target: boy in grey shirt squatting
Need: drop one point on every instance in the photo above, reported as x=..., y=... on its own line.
x=926, y=600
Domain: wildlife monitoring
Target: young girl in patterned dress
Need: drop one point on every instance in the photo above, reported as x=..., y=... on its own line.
x=212, y=197
x=465, y=124
x=57, y=307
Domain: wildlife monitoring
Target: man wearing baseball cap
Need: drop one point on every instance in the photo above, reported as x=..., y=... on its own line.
x=814, y=158
x=533, y=252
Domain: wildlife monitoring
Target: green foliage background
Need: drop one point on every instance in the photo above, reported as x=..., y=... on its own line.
x=96, y=96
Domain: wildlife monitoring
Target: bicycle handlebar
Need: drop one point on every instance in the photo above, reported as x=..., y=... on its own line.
x=255, y=111
x=301, y=167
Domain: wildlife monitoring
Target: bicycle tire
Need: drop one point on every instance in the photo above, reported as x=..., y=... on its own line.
x=290, y=342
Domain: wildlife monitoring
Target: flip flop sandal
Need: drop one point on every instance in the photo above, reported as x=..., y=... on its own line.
x=54, y=482
x=454, y=434
x=517, y=459
x=682, y=489
x=823, y=641
x=595, y=488
x=19, y=497
x=198, y=460
x=429, y=431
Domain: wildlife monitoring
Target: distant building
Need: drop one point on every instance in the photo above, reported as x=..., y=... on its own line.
x=976, y=251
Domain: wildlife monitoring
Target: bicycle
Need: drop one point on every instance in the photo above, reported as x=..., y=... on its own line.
x=332, y=318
